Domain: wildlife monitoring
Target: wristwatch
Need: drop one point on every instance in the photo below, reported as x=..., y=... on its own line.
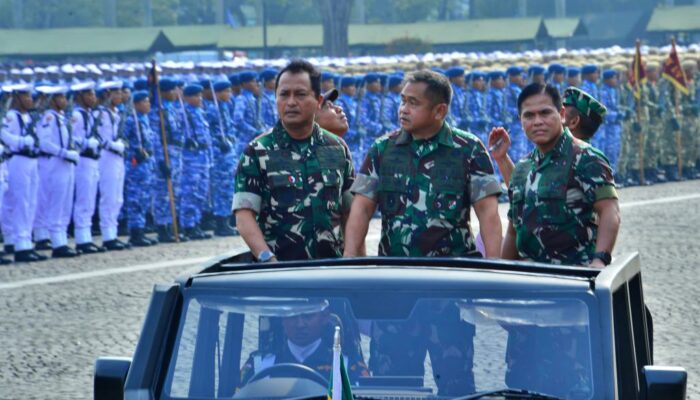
x=265, y=256
x=603, y=256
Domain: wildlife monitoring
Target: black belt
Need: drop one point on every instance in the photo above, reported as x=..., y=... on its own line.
x=25, y=153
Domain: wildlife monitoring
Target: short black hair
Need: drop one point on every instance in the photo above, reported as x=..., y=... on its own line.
x=300, y=66
x=589, y=123
x=536, y=88
x=439, y=89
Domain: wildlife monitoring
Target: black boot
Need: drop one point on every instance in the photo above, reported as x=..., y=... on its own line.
x=43, y=245
x=138, y=239
x=619, y=180
x=633, y=177
x=650, y=177
x=208, y=223
x=164, y=234
x=223, y=228
x=3, y=260
x=63, y=252
x=29, y=256
x=89, y=248
x=115, y=245
x=196, y=233
x=689, y=173
x=671, y=173
x=9, y=248
x=153, y=241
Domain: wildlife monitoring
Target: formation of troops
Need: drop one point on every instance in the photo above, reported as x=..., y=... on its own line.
x=85, y=145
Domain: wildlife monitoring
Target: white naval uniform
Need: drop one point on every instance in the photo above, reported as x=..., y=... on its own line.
x=56, y=178
x=111, y=173
x=87, y=176
x=20, y=198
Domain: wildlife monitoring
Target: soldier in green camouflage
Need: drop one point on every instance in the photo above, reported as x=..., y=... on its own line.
x=425, y=177
x=293, y=184
x=556, y=191
x=691, y=112
x=671, y=128
x=655, y=127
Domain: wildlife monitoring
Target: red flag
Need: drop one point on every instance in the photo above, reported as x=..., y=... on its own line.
x=637, y=73
x=673, y=70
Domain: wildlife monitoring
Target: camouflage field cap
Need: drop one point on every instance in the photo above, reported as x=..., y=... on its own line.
x=584, y=102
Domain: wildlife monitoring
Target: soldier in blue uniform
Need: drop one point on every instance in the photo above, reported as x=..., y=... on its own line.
x=369, y=118
x=557, y=76
x=458, y=115
x=475, y=105
x=247, y=112
x=268, y=107
x=573, y=77
x=536, y=74
x=175, y=136
x=140, y=168
x=496, y=103
x=610, y=97
x=196, y=158
x=518, y=147
x=390, y=106
x=347, y=102
x=589, y=83
x=224, y=161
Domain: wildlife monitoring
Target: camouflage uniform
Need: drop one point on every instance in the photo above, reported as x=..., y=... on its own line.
x=196, y=159
x=175, y=136
x=299, y=189
x=654, y=128
x=635, y=129
x=423, y=196
x=689, y=133
x=140, y=169
x=668, y=149
x=551, y=201
x=223, y=166
x=424, y=189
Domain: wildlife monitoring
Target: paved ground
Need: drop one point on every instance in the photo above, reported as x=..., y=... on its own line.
x=57, y=317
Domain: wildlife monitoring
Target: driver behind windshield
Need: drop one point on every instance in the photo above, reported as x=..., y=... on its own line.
x=308, y=340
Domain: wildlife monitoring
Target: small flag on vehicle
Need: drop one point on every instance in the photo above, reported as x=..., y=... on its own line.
x=340, y=382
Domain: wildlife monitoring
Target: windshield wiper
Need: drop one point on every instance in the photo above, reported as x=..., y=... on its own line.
x=511, y=393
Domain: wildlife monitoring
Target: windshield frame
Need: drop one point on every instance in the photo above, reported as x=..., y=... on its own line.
x=189, y=293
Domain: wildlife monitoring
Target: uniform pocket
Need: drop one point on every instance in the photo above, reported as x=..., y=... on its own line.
x=285, y=190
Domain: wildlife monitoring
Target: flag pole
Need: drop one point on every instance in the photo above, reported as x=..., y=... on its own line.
x=337, y=383
x=166, y=155
x=638, y=99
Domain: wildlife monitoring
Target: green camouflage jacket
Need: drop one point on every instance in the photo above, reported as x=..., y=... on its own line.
x=551, y=201
x=299, y=190
x=425, y=189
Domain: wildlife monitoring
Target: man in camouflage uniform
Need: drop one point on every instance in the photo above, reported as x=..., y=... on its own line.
x=691, y=112
x=425, y=178
x=654, y=127
x=554, y=194
x=671, y=128
x=635, y=118
x=293, y=184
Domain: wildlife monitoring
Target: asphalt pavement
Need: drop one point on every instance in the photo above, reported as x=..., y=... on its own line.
x=57, y=317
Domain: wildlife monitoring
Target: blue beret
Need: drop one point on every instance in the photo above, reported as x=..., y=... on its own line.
x=247, y=76
x=454, y=72
x=268, y=74
x=573, y=71
x=371, y=77
x=535, y=70
x=609, y=73
x=589, y=69
x=139, y=95
x=234, y=79
x=496, y=75
x=205, y=83
x=513, y=70
x=347, y=81
x=556, y=69
x=192, y=89
x=140, y=84
x=221, y=85
x=166, y=84
x=326, y=76
x=477, y=75
x=394, y=80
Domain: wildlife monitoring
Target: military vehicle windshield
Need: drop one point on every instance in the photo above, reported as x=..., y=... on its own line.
x=394, y=342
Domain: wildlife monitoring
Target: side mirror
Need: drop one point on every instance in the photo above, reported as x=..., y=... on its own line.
x=110, y=375
x=667, y=383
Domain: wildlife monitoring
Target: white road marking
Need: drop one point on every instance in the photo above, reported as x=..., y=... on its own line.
x=197, y=260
